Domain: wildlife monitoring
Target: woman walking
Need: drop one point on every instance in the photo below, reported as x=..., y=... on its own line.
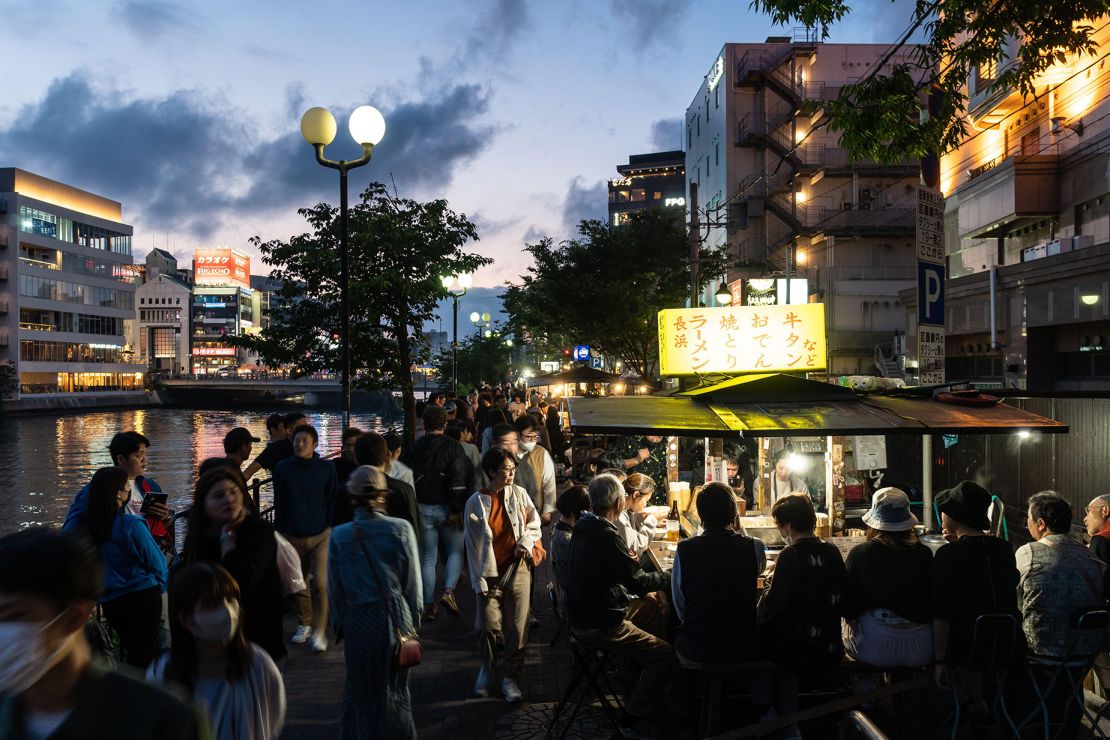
x=135, y=566
x=236, y=681
x=375, y=592
x=224, y=532
x=502, y=527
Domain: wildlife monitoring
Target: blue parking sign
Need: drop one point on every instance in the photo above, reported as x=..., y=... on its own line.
x=930, y=294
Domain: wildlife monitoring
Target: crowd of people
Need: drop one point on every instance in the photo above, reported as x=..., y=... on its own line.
x=358, y=543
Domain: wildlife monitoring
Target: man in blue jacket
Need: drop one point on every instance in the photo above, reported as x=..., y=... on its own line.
x=305, y=488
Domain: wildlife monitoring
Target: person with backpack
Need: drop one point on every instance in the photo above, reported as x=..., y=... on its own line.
x=442, y=475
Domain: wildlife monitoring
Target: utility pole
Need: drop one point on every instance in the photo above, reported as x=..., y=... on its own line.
x=695, y=245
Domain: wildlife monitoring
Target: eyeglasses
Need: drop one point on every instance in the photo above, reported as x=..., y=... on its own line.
x=530, y=437
x=508, y=470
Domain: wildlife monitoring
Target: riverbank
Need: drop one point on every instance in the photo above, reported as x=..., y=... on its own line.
x=53, y=403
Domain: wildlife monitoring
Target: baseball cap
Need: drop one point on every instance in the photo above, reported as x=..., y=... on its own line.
x=239, y=436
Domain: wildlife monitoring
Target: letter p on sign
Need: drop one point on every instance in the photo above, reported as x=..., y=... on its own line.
x=930, y=294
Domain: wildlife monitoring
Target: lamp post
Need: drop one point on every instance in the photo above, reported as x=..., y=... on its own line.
x=480, y=321
x=367, y=127
x=723, y=295
x=464, y=282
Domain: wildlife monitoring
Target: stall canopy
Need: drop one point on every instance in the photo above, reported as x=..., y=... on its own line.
x=575, y=375
x=784, y=405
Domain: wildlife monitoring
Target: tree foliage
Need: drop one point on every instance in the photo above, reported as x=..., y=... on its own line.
x=606, y=287
x=882, y=116
x=482, y=359
x=399, y=249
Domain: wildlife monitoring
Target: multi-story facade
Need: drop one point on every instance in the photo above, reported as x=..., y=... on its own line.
x=223, y=305
x=162, y=341
x=788, y=201
x=1028, y=199
x=159, y=262
x=648, y=181
x=67, y=288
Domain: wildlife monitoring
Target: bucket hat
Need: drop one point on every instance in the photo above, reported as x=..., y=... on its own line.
x=890, y=511
x=967, y=503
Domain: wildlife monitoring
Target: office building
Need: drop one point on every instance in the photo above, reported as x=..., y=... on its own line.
x=223, y=306
x=656, y=180
x=773, y=186
x=67, y=288
x=159, y=262
x=162, y=343
x=1028, y=199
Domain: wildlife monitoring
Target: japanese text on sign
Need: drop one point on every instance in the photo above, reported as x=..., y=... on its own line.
x=930, y=225
x=742, y=339
x=221, y=267
x=930, y=355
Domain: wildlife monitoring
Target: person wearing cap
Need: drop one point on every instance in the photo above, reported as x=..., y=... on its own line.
x=374, y=588
x=973, y=575
x=887, y=618
x=238, y=445
x=280, y=445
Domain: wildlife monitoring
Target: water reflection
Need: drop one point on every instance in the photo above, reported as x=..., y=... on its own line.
x=45, y=460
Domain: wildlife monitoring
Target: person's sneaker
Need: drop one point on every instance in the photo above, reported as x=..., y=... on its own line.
x=533, y=622
x=431, y=611
x=448, y=601
x=511, y=691
x=481, y=684
x=319, y=643
x=300, y=637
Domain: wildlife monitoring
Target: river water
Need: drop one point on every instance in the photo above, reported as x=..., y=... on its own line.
x=45, y=460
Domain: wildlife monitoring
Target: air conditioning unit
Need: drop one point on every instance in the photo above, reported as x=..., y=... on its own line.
x=1055, y=246
x=1034, y=253
x=1082, y=241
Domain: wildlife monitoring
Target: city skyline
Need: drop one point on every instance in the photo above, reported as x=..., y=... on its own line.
x=188, y=115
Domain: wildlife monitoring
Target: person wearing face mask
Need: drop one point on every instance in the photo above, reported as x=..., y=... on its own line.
x=539, y=460
x=374, y=583
x=50, y=688
x=224, y=532
x=235, y=681
x=136, y=567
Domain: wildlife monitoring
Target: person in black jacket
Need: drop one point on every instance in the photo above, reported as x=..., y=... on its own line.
x=372, y=451
x=222, y=530
x=1097, y=521
x=600, y=576
x=442, y=473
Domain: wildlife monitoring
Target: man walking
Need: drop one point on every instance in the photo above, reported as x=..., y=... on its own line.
x=305, y=489
x=442, y=474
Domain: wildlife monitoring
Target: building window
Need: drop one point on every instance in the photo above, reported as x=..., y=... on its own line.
x=31, y=350
x=656, y=195
x=638, y=195
x=61, y=290
x=717, y=96
x=165, y=342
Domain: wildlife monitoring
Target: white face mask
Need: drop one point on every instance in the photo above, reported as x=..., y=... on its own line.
x=23, y=656
x=217, y=625
x=527, y=446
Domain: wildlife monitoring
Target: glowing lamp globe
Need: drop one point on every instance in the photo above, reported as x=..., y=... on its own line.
x=318, y=126
x=475, y=317
x=367, y=125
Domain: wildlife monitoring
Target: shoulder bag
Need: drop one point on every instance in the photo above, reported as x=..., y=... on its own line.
x=409, y=651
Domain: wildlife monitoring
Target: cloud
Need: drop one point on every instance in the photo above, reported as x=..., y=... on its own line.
x=584, y=202
x=152, y=19
x=488, y=227
x=666, y=134
x=191, y=162
x=496, y=30
x=652, y=22
x=882, y=21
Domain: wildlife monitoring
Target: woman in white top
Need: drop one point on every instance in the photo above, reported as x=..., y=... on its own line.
x=784, y=481
x=236, y=681
x=637, y=526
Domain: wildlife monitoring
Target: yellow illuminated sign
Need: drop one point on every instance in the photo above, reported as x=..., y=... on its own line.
x=742, y=339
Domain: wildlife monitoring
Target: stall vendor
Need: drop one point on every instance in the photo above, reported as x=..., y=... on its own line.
x=783, y=480
x=646, y=455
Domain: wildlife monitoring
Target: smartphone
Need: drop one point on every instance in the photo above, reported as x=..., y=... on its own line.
x=153, y=498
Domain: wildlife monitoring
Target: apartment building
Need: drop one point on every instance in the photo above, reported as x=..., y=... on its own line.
x=67, y=288
x=1027, y=230
x=655, y=180
x=773, y=185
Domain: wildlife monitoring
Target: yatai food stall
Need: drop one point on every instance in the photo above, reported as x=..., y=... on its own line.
x=749, y=365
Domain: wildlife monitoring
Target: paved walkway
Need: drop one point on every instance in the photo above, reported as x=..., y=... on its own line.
x=441, y=686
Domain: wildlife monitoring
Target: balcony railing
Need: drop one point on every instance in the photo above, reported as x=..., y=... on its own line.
x=43, y=264
x=879, y=220
x=32, y=326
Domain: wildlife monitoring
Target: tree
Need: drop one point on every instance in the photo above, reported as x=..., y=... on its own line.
x=481, y=359
x=399, y=250
x=882, y=117
x=606, y=287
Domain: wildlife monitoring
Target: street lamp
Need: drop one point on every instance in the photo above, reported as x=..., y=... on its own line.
x=464, y=282
x=724, y=295
x=480, y=320
x=367, y=127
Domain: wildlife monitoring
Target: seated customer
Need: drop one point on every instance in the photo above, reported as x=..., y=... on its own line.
x=637, y=526
x=713, y=583
x=887, y=620
x=600, y=577
x=973, y=575
x=798, y=618
x=570, y=505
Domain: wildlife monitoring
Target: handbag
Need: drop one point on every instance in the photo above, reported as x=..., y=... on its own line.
x=289, y=567
x=409, y=652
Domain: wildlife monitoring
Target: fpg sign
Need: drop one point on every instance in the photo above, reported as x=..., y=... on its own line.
x=221, y=267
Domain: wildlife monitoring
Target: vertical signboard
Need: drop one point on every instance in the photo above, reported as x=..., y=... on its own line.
x=930, y=285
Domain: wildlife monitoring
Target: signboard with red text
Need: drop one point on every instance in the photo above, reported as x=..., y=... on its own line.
x=221, y=267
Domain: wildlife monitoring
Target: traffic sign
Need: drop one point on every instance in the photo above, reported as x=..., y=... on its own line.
x=930, y=294
x=930, y=285
x=582, y=352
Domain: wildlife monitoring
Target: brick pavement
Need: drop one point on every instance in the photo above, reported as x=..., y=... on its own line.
x=441, y=686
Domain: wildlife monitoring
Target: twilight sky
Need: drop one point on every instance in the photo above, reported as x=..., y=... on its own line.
x=516, y=111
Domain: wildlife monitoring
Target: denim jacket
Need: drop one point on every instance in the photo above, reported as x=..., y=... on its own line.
x=356, y=582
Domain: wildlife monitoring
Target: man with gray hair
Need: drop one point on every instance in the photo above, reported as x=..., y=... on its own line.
x=1097, y=521
x=601, y=576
